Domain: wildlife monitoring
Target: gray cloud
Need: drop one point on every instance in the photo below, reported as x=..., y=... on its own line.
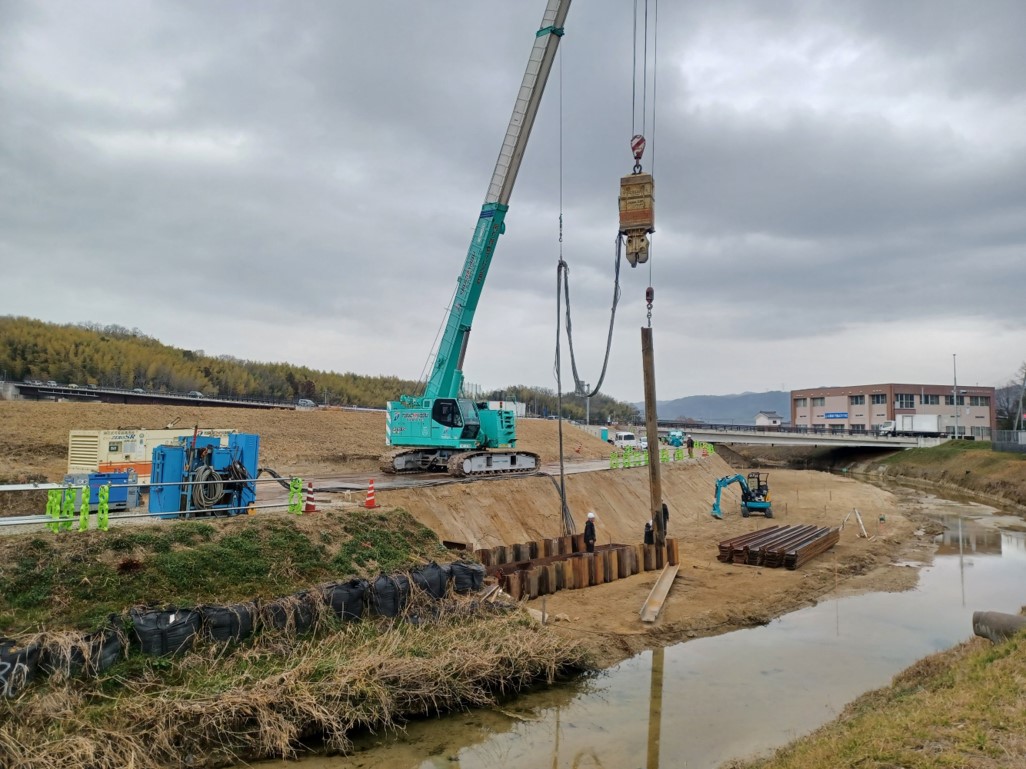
x=300, y=182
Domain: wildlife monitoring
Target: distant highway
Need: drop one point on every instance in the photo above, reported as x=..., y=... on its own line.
x=84, y=394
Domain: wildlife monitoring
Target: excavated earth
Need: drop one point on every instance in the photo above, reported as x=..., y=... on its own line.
x=707, y=598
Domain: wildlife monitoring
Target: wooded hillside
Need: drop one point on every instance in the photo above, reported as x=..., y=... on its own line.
x=114, y=356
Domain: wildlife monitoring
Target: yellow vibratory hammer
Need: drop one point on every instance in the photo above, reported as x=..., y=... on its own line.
x=637, y=207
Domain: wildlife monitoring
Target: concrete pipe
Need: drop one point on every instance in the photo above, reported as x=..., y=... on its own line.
x=996, y=625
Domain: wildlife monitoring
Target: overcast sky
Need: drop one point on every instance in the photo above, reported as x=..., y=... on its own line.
x=840, y=187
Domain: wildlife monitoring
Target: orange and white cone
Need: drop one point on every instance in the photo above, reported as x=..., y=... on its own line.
x=309, y=503
x=370, y=503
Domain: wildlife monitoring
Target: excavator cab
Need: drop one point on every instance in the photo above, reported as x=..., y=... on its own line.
x=758, y=486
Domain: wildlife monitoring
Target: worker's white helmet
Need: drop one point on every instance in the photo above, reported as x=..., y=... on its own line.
x=591, y=515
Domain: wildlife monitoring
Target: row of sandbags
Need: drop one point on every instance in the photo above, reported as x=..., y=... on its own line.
x=171, y=631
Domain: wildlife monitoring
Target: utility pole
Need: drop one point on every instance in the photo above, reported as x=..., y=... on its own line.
x=954, y=389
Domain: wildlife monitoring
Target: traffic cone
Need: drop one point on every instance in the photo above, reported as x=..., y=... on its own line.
x=370, y=503
x=309, y=503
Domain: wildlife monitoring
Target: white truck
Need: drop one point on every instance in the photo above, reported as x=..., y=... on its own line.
x=625, y=439
x=912, y=424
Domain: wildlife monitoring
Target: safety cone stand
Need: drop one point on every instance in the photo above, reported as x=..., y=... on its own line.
x=370, y=503
x=309, y=503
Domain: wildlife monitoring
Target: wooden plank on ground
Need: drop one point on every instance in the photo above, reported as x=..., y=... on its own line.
x=657, y=597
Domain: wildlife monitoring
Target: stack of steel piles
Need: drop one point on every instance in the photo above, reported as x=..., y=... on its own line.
x=825, y=540
x=775, y=546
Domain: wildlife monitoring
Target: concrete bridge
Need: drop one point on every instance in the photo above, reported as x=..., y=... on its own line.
x=802, y=437
x=784, y=436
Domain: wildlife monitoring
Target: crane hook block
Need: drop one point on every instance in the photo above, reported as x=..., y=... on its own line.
x=637, y=215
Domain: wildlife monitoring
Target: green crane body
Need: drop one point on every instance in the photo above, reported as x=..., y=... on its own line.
x=441, y=429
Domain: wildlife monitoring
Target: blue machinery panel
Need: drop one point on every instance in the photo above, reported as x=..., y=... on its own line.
x=199, y=476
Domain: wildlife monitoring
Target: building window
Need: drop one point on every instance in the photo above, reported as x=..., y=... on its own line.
x=979, y=400
x=800, y=403
x=856, y=400
x=858, y=428
x=949, y=400
x=929, y=400
x=837, y=428
x=905, y=401
x=819, y=401
x=878, y=398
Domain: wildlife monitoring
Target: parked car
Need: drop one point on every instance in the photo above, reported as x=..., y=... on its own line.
x=51, y=383
x=73, y=386
x=305, y=403
x=196, y=394
x=138, y=390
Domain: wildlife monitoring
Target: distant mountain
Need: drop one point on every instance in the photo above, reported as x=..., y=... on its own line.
x=724, y=409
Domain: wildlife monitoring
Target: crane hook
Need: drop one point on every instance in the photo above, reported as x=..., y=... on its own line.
x=637, y=149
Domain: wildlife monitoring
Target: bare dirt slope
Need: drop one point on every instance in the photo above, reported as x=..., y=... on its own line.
x=708, y=597
x=34, y=434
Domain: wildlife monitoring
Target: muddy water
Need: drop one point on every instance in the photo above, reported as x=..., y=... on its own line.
x=700, y=703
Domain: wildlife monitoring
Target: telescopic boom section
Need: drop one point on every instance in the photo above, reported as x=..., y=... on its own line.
x=446, y=379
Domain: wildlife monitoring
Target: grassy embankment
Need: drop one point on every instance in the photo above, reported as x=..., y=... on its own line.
x=219, y=704
x=965, y=707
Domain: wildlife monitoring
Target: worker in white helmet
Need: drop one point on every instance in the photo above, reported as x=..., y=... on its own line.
x=589, y=533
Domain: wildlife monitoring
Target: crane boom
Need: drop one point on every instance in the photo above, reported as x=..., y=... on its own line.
x=446, y=378
x=442, y=429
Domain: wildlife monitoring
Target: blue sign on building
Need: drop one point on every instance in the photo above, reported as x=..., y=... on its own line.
x=836, y=415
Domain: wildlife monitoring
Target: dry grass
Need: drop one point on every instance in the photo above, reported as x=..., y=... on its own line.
x=223, y=704
x=962, y=708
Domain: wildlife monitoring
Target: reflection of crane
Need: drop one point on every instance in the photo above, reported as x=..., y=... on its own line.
x=440, y=430
x=755, y=496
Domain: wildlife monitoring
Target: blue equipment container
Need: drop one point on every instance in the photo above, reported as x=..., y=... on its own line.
x=124, y=491
x=201, y=477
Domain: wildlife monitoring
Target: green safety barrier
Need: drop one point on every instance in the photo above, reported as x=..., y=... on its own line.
x=678, y=455
x=103, y=508
x=296, y=496
x=67, y=509
x=83, y=510
x=664, y=456
x=53, y=509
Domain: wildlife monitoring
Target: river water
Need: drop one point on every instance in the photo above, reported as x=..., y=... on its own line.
x=705, y=701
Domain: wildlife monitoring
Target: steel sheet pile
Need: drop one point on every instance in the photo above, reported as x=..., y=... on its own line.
x=774, y=546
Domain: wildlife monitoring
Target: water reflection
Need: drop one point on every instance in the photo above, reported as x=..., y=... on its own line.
x=701, y=703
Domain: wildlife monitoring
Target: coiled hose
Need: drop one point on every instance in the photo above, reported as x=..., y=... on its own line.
x=208, y=488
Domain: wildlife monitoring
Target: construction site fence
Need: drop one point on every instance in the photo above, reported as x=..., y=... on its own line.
x=631, y=457
x=69, y=506
x=545, y=566
x=1009, y=440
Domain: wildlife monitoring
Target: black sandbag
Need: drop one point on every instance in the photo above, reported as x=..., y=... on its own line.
x=389, y=595
x=91, y=654
x=467, y=577
x=18, y=666
x=346, y=598
x=293, y=614
x=228, y=623
x=432, y=579
x=165, y=631
x=106, y=647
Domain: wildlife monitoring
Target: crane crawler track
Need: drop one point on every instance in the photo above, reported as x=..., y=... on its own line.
x=475, y=464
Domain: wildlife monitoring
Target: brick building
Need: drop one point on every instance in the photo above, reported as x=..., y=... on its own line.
x=865, y=407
